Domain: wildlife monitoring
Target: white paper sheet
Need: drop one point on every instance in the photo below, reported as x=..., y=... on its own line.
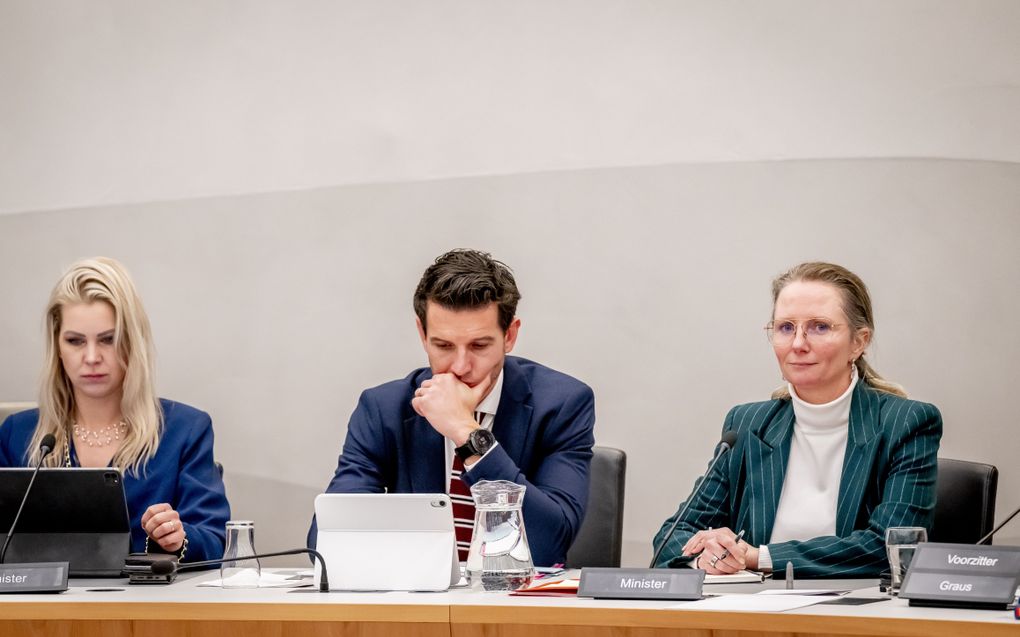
x=270, y=580
x=803, y=591
x=753, y=603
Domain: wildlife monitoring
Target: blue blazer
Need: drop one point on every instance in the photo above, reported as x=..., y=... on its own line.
x=888, y=480
x=544, y=425
x=182, y=474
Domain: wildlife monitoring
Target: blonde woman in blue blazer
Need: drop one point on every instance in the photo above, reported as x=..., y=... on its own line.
x=819, y=472
x=98, y=400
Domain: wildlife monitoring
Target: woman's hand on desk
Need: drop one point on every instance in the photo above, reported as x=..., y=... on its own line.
x=163, y=524
x=719, y=552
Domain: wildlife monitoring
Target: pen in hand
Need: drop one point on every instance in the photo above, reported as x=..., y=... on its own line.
x=726, y=552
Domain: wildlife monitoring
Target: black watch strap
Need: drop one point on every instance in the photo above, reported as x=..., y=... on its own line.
x=478, y=444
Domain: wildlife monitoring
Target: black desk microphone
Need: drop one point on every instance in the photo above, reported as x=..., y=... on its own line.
x=170, y=566
x=725, y=444
x=46, y=447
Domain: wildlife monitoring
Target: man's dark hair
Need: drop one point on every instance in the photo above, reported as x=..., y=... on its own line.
x=468, y=279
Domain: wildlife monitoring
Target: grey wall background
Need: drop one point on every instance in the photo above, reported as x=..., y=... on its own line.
x=277, y=176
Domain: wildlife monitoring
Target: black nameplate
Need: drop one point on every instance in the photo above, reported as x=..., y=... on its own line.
x=641, y=583
x=962, y=576
x=36, y=577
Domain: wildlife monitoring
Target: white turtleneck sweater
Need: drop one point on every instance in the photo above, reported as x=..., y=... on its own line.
x=807, y=504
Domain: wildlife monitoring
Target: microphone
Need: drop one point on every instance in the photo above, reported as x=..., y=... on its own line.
x=46, y=447
x=729, y=438
x=996, y=529
x=170, y=566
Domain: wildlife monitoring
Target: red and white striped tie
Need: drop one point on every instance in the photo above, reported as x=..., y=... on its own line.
x=463, y=504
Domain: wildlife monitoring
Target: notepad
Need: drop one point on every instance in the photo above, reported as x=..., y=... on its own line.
x=740, y=577
x=555, y=588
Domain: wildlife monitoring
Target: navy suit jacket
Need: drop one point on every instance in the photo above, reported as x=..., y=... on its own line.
x=182, y=474
x=888, y=480
x=544, y=425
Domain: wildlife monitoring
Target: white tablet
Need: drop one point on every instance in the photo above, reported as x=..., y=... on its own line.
x=387, y=541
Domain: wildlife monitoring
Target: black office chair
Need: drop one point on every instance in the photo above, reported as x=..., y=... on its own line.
x=965, y=508
x=599, y=542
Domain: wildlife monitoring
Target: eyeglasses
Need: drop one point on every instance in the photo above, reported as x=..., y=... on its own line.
x=815, y=330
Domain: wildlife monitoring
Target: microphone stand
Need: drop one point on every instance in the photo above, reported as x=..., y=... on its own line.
x=38, y=577
x=46, y=450
x=166, y=567
x=725, y=445
x=996, y=529
x=651, y=582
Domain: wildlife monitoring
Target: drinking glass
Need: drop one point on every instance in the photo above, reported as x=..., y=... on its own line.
x=244, y=571
x=900, y=544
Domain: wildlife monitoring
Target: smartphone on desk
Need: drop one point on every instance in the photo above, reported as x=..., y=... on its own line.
x=138, y=568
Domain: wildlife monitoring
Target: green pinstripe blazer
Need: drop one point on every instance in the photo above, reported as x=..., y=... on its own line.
x=888, y=480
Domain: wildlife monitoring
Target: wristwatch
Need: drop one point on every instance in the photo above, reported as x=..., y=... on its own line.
x=479, y=442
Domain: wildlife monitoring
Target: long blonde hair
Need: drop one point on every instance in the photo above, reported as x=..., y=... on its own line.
x=101, y=279
x=856, y=306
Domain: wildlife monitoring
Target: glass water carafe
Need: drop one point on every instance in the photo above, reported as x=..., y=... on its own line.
x=499, y=558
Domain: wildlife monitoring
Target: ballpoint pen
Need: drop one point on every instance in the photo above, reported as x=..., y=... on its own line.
x=726, y=552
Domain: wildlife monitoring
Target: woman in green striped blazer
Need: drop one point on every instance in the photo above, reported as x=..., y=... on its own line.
x=819, y=472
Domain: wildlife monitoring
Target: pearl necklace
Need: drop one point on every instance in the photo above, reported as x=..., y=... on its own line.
x=99, y=437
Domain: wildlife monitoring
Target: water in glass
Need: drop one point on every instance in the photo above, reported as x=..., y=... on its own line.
x=900, y=544
x=900, y=556
x=499, y=558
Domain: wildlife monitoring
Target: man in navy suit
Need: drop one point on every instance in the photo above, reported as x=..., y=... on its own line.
x=475, y=413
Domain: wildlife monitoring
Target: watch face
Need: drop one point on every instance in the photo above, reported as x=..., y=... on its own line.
x=481, y=440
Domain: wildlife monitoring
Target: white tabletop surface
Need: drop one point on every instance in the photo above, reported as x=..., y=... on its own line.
x=186, y=590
